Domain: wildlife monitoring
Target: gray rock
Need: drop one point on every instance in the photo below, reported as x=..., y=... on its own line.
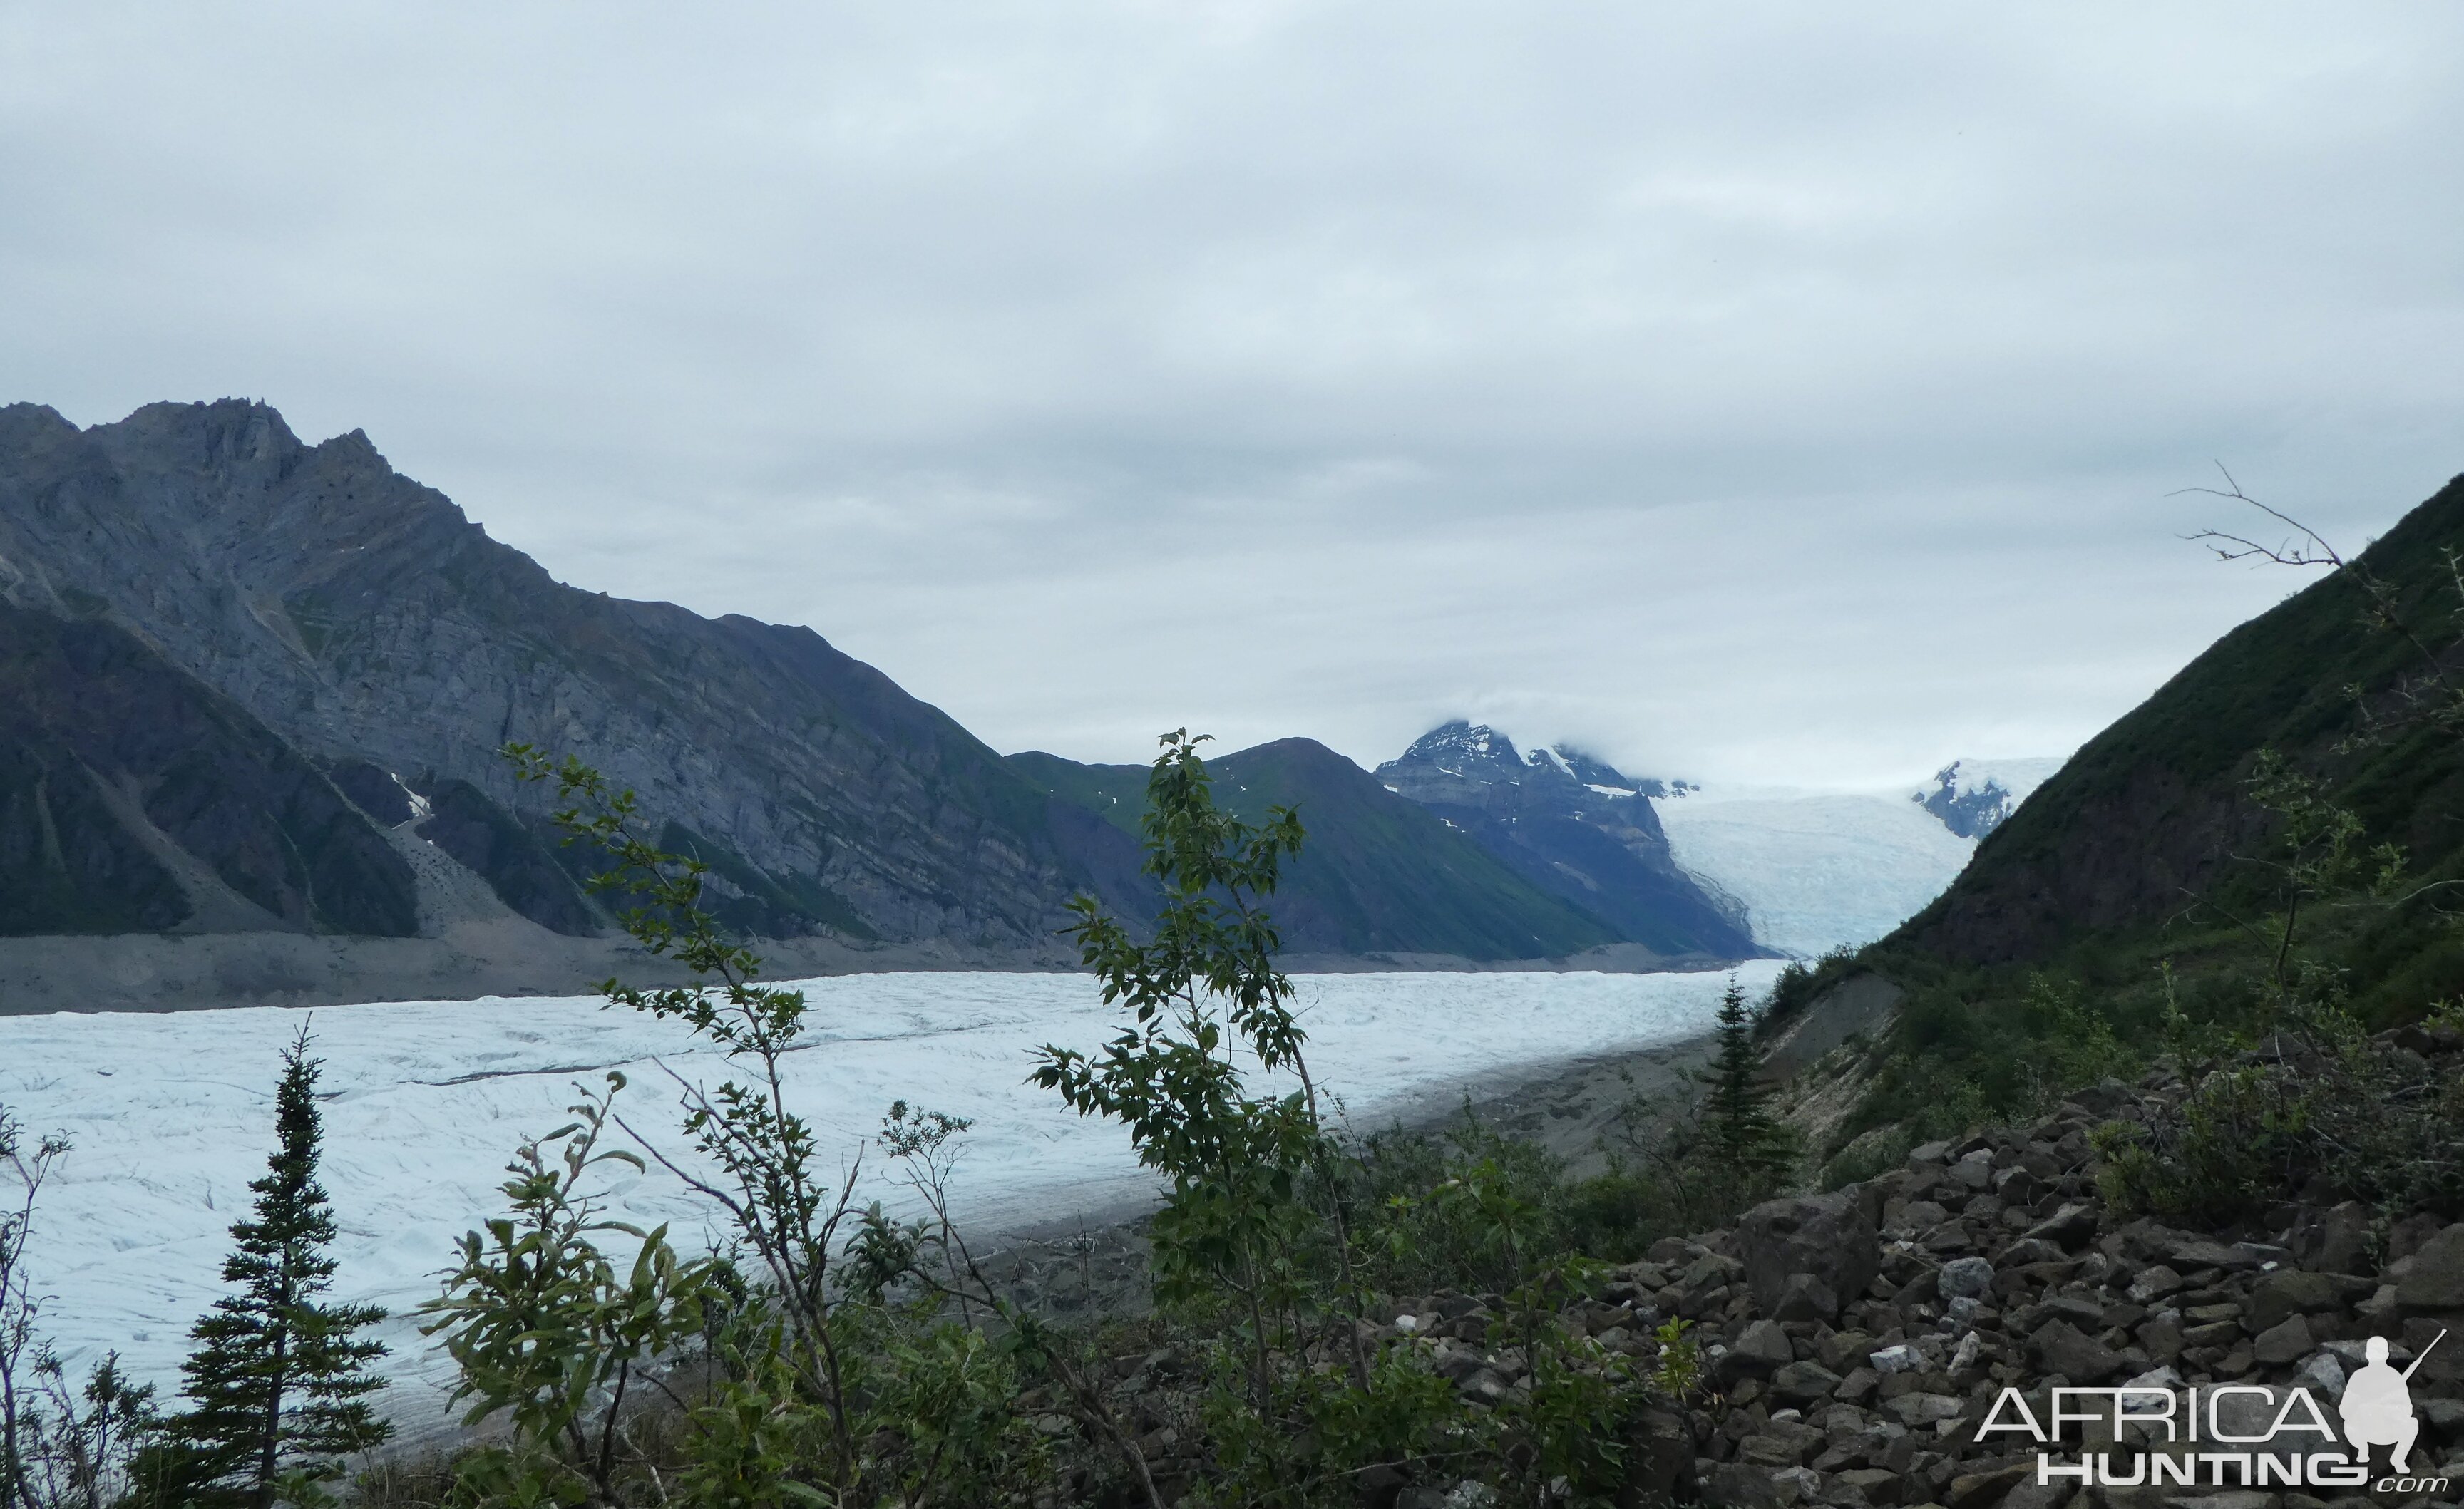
x=2161, y=1334
x=2201, y=1253
x=2060, y=1348
x=2338, y=1242
x=1842, y=1349
x=1921, y=1215
x=1761, y=1349
x=1804, y=1383
x=2070, y=1228
x=2284, y=1342
x=1781, y=1443
x=1828, y=1235
x=1660, y=1457
x=1742, y=1485
x=1973, y=1173
x=2289, y=1292
x=2077, y=1308
x=1976, y=1490
x=2436, y=1280
x=1971, y=1277
x=2032, y=1250
x=1914, y=1409
x=2321, y=1374
x=1806, y=1297
x=2152, y=1283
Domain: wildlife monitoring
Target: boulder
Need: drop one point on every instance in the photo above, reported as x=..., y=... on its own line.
x=1842, y=1349
x=1760, y=1351
x=2322, y=1375
x=2197, y=1252
x=1826, y=1235
x=1976, y=1490
x=1965, y=1277
x=1658, y=1460
x=2070, y=1228
x=1742, y=1485
x=1916, y=1409
x=2060, y=1348
x=2153, y=1283
x=2288, y=1292
x=2283, y=1343
x=2337, y=1240
x=1806, y=1297
x=1781, y=1443
x=2434, y=1281
x=1804, y=1383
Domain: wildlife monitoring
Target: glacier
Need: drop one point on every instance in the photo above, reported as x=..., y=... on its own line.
x=1818, y=870
x=171, y=1114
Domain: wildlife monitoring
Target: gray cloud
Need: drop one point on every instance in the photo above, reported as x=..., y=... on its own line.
x=1762, y=393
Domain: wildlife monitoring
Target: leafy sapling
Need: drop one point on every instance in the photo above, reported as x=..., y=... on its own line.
x=553, y=1334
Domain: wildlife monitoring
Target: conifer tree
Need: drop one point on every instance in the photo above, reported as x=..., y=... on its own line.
x=1739, y=1131
x=278, y=1378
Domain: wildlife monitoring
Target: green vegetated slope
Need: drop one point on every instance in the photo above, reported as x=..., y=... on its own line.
x=1379, y=874
x=2148, y=834
x=2130, y=906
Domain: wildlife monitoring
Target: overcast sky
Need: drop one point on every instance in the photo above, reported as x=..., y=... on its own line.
x=1749, y=393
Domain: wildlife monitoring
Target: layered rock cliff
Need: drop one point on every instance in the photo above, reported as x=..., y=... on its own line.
x=342, y=628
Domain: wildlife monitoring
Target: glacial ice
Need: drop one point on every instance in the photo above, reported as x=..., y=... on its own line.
x=171, y=1116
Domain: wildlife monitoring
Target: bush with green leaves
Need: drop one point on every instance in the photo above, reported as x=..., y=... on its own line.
x=553, y=1336
x=836, y=1356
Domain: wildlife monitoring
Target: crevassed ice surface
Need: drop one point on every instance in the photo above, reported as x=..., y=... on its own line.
x=171, y=1116
x=1820, y=870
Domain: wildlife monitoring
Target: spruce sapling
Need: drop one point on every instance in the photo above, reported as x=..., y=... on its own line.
x=1741, y=1133
x=278, y=1378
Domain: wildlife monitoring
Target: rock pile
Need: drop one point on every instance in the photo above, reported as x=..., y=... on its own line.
x=1854, y=1342
x=1859, y=1338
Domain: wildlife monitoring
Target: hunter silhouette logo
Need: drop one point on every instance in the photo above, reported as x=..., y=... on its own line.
x=2243, y=1435
x=2377, y=1406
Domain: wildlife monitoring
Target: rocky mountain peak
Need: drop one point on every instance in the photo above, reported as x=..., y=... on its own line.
x=349, y=614
x=1469, y=763
x=1969, y=811
x=1573, y=825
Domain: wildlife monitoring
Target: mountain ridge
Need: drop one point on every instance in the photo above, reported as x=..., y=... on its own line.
x=363, y=615
x=366, y=647
x=1574, y=827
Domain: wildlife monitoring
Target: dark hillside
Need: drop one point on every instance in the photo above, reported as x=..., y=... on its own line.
x=135, y=799
x=2153, y=814
x=379, y=633
x=1378, y=874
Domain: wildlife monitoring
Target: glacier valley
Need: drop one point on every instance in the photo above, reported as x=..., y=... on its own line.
x=171, y=1115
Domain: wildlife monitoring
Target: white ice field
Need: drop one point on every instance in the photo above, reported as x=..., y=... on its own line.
x=171, y=1115
x=1824, y=870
